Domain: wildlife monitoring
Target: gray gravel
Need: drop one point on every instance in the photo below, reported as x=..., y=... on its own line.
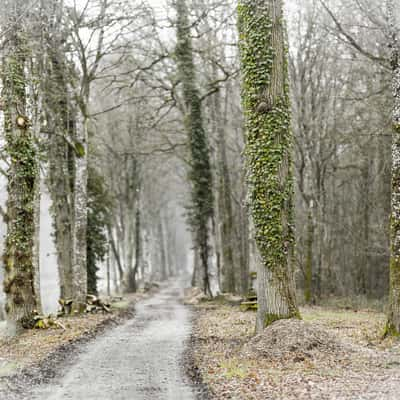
x=140, y=360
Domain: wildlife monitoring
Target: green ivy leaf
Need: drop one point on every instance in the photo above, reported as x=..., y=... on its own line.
x=79, y=149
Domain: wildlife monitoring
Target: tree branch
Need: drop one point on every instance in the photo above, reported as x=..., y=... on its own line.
x=352, y=42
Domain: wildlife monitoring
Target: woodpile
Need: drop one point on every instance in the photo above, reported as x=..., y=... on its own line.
x=47, y=322
x=251, y=299
x=93, y=305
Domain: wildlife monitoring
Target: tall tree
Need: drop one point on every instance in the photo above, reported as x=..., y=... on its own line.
x=268, y=152
x=19, y=282
x=200, y=170
x=99, y=208
x=60, y=120
x=89, y=62
x=393, y=324
x=224, y=197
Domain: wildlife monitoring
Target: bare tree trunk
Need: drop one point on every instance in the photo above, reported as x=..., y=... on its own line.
x=308, y=270
x=116, y=254
x=145, y=259
x=244, y=253
x=132, y=273
x=393, y=324
x=36, y=113
x=172, y=251
x=113, y=265
x=224, y=203
x=138, y=242
x=163, y=258
x=129, y=245
x=79, y=267
x=60, y=120
x=36, y=246
x=108, y=266
x=270, y=300
x=168, y=267
x=197, y=278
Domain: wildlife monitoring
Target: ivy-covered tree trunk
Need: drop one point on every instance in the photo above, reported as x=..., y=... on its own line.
x=19, y=282
x=393, y=324
x=200, y=170
x=268, y=154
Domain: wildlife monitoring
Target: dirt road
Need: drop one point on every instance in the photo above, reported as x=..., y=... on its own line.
x=140, y=360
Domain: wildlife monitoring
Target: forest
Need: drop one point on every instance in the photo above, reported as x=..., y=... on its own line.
x=199, y=199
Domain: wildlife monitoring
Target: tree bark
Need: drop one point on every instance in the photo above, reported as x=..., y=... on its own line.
x=308, y=270
x=200, y=169
x=137, y=246
x=224, y=203
x=116, y=254
x=79, y=228
x=60, y=117
x=268, y=155
x=108, y=271
x=36, y=113
x=163, y=256
x=138, y=242
x=36, y=245
x=166, y=245
x=23, y=172
x=393, y=323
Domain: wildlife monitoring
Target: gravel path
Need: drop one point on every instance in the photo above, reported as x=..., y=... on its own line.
x=140, y=360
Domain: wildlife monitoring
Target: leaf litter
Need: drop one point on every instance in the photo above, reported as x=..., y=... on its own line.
x=331, y=354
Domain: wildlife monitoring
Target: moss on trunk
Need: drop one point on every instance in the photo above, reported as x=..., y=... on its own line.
x=201, y=210
x=268, y=152
x=23, y=175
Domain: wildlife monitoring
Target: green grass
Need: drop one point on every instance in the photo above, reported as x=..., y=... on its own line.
x=120, y=305
x=233, y=369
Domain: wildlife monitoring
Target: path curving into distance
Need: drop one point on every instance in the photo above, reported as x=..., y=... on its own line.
x=139, y=360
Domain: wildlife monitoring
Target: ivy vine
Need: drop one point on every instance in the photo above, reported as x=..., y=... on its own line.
x=268, y=146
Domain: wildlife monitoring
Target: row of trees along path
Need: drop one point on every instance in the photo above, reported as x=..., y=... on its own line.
x=62, y=94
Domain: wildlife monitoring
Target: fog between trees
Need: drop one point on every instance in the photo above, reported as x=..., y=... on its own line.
x=183, y=137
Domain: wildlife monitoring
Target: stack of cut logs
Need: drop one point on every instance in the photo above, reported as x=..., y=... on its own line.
x=93, y=305
x=251, y=300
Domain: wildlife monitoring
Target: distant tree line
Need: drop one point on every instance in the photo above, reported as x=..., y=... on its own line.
x=143, y=124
